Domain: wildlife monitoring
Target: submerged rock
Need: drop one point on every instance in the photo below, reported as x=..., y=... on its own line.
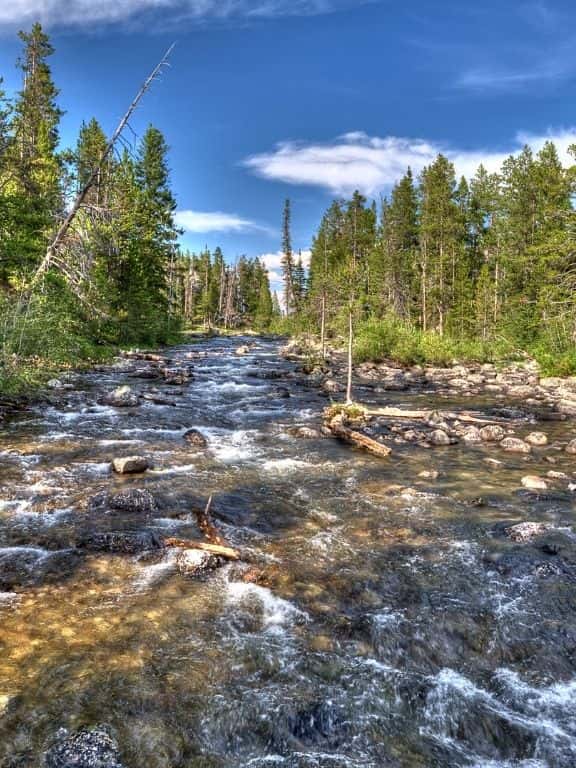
x=196, y=438
x=130, y=465
x=307, y=433
x=133, y=500
x=515, y=445
x=126, y=542
x=534, y=483
x=87, y=748
x=26, y=566
x=123, y=397
x=527, y=532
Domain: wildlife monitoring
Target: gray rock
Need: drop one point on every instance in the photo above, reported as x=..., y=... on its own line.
x=130, y=465
x=123, y=397
x=196, y=438
x=537, y=439
x=439, y=437
x=534, y=483
x=308, y=433
x=492, y=433
x=87, y=748
x=527, y=532
x=471, y=435
x=195, y=562
x=515, y=445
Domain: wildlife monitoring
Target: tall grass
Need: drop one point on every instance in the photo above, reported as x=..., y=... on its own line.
x=392, y=339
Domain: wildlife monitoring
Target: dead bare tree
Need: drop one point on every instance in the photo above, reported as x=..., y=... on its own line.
x=52, y=250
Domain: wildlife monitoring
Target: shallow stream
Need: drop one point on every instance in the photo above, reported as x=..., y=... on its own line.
x=399, y=628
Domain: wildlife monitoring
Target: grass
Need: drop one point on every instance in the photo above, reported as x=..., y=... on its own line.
x=390, y=339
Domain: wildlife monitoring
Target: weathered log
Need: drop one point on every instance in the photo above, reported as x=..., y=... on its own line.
x=215, y=549
x=339, y=429
x=401, y=413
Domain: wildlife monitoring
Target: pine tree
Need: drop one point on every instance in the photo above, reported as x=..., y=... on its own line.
x=156, y=207
x=33, y=165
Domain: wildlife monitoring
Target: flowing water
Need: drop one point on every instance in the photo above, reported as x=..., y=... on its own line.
x=397, y=627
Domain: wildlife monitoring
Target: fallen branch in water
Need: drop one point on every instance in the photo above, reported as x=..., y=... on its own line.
x=214, y=549
x=339, y=429
x=207, y=526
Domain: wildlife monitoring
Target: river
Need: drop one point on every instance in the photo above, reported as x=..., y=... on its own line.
x=387, y=634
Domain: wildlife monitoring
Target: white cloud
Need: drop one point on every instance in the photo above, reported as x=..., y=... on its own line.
x=200, y=222
x=82, y=12
x=273, y=264
x=370, y=164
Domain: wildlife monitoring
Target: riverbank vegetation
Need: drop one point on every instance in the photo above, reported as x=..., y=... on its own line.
x=447, y=268
x=117, y=277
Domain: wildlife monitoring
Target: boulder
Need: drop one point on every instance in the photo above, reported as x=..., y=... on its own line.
x=439, y=437
x=515, y=445
x=534, y=483
x=524, y=533
x=195, y=562
x=492, y=433
x=123, y=397
x=571, y=447
x=471, y=435
x=567, y=407
x=537, y=439
x=243, y=350
x=331, y=386
x=130, y=465
x=87, y=748
x=196, y=438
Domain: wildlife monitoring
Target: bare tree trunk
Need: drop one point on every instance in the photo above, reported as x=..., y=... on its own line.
x=350, y=355
x=323, y=325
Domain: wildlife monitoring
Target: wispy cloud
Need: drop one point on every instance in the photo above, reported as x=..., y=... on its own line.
x=200, y=222
x=371, y=164
x=84, y=12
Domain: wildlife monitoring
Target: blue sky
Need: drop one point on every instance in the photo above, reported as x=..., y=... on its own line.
x=308, y=99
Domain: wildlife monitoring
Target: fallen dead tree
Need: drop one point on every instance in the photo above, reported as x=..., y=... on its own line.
x=425, y=415
x=338, y=427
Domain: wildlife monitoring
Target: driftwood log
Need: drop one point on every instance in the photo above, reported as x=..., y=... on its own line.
x=214, y=549
x=424, y=415
x=339, y=429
